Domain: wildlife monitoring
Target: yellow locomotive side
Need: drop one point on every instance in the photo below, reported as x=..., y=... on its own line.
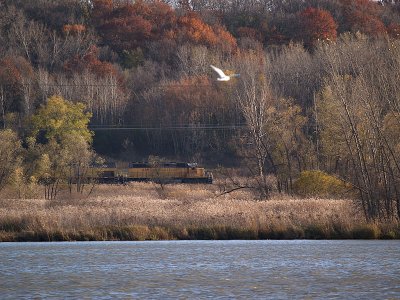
x=168, y=172
x=156, y=173
x=105, y=173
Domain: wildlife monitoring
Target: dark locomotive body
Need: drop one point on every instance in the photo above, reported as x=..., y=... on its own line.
x=143, y=171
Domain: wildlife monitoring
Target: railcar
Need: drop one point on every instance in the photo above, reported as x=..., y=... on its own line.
x=104, y=173
x=143, y=171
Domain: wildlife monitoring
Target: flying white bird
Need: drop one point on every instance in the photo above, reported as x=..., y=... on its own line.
x=222, y=76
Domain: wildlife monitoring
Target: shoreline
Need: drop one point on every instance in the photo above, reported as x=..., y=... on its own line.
x=156, y=233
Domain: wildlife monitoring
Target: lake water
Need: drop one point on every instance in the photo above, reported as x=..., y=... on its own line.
x=201, y=269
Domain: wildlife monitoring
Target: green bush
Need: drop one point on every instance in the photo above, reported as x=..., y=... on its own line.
x=319, y=184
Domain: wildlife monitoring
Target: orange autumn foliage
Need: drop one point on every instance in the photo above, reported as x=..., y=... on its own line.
x=9, y=73
x=127, y=26
x=226, y=40
x=317, y=24
x=12, y=69
x=74, y=28
x=368, y=24
x=363, y=16
x=192, y=29
x=159, y=14
x=91, y=62
x=125, y=29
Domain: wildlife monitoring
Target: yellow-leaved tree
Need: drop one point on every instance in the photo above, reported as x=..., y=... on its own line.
x=60, y=143
x=60, y=118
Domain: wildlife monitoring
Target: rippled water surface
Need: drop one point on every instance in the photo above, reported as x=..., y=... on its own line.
x=201, y=269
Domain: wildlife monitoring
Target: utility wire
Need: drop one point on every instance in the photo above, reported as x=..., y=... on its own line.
x=60, y=85
x=191, y=127
x=101, y=85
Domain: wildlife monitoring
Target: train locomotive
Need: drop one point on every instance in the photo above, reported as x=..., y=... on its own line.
x=170, y=172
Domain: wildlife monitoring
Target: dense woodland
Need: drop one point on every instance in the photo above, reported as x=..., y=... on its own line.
x=319, y=89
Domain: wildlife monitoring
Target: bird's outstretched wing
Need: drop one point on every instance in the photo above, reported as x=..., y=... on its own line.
x=219, y=71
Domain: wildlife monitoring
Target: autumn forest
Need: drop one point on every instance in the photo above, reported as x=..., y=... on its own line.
x=317, y=100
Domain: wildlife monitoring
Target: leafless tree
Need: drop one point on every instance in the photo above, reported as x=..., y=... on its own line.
x=357, y=109
x=256, y=101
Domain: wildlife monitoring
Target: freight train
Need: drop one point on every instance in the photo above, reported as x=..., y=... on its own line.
x=143, y=171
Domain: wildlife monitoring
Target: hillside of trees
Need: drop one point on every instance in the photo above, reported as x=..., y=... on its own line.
x=318, y=88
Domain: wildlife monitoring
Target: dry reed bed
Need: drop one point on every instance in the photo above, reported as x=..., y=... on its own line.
x=145, y=211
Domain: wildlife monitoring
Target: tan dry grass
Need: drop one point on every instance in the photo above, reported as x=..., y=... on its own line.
x=176, y=206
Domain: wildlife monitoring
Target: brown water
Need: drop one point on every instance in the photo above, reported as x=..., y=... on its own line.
x=201, y=269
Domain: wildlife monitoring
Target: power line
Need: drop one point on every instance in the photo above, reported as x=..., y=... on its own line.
x=102, y=85
x=189, y=127
x=61, y=85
